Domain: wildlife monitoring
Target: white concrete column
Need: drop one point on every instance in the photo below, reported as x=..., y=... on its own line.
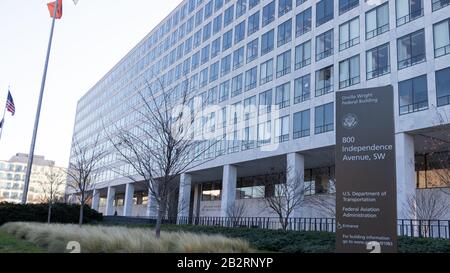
x=184, y=197
x=228, y=188
x=95, y=199
x=110, y=201
x=128, y=202
x=152, y=206
x=295, y=174
x=406, y=174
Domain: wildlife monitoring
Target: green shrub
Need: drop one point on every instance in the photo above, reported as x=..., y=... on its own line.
x=61, y=213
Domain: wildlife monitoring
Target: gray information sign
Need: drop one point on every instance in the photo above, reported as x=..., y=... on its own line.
x=366, y=198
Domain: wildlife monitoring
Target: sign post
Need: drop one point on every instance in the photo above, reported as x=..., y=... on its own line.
x=366, y=197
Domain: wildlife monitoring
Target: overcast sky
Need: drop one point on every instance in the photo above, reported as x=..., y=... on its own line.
x=88, y=41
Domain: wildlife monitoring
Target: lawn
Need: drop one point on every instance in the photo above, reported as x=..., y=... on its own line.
x=9, y=244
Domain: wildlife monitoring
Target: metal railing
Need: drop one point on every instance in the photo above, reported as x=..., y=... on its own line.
x=405, y=227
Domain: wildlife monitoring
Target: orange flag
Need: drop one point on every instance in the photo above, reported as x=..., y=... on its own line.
x=51, y=9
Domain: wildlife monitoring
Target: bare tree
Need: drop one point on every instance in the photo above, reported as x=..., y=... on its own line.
x=52, y=188
x=427, y=204
x=161, y=145
x=236, y=211
x=284, y=195
x=84, y=167
x=325, y=203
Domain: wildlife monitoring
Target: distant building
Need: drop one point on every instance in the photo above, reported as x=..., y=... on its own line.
x=12, y=178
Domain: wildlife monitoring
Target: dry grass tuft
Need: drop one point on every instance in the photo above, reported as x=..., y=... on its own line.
x=102, y=239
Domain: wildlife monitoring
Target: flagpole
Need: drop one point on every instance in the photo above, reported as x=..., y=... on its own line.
x=38, y=111
x=3, y=119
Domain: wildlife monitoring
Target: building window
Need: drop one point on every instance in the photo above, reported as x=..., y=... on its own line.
x=282, y=95
x=228, y=16
x=264, y=133
x=349, y=72
x=282, y=129
x=324, y=45
x=302, y=124
x=211, y=191
x=284, y=33
x=377, y=21
x=250, y=108
x=324, y=81
x=303, y=22
x=265, y=102
x=199, y=18
x=217, y=24
x=284, y=64
x=207, y=31
x=346, y=5
x=212, y=96
x=252, y=50
x=215, y=47
x=238, y=58
x=378, y=61
x=249, y=138
x=239, y=32
x=253, y=23
x=241, y=8
x=204, y=77
x=408, y=10
x=225, y=65
x=302, y=89
x=253, y=3
x=205, y=54
x=439, y=4
x=411, y=49
x=268, y=13
x=214, y=72
x=299, y=2
x=208, y=9
x=224, y=91
x=284, y=6
x=218, y=4
x=235, y=142
x=324, y=118
x=267, y=42
x=251, y=78
x=266, y=72
x=324, y=11
x=303, y=55
x=413, y=95
x=441, y=33
x=349, y=34
x=443, y=87
x=236, y=85
x=227, y=40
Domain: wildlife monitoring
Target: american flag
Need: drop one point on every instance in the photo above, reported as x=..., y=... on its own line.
x=10, y=104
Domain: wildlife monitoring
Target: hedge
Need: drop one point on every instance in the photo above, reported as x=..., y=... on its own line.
x=61, y=213
x=307, y=242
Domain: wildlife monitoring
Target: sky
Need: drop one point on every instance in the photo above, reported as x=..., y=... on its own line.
x=88, y=41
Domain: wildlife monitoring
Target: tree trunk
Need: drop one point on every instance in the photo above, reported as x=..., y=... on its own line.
x=80, y=222
x=49, y=214
x=158, y=224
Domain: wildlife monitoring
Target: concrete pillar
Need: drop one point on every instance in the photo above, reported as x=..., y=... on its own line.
x=95, y=199
x=128, y=202
x=110, y=201
x=228, y=188
x=406, y=174
x=152, y=206
x=184, y=197
x=295, y=172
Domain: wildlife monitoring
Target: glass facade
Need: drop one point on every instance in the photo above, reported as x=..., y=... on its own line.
x=278, y=52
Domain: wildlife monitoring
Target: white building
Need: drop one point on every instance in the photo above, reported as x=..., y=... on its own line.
x=294, y=55
x=12, y=178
